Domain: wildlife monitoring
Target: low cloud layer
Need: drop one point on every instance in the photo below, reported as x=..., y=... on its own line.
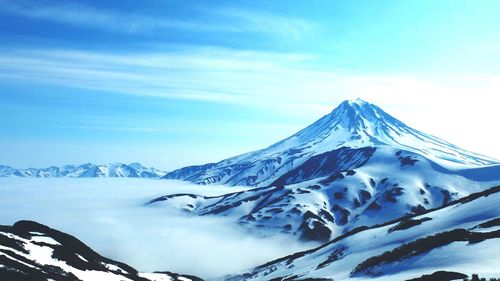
x=108, y=215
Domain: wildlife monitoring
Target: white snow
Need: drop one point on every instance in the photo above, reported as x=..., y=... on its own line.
x=156, y=276
x=111, y=267
x=463, y=257
x=352, y=124
x=43, y=255
x=384, y=164
x=88, y=170
x=44, y=239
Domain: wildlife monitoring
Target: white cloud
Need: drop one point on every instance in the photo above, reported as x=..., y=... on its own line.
x=109, y=216
x=215, y=20
x=457, y=108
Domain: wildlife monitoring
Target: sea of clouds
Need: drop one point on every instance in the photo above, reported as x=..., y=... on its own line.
x=109, y=215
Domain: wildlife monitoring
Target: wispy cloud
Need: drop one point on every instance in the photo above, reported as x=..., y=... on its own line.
x=211, y=20
x=286, y=84
x=202, y=74
x=263, y=22
x=266, y=79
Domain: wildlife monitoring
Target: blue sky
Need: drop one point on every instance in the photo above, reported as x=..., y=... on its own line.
x=172, y=83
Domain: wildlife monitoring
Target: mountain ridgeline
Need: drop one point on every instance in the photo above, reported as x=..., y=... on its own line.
x=89, y=170
x=357, y=166
x=385, y=200
x=353, y=124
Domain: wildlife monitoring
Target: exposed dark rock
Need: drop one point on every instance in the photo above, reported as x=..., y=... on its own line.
x=331, y=178
x=328, y=163
x=337, y=254
x=314, y=187
x=490, y=223
x=350, y=172
x=447, y=196
x=441, y=276
x=371, y=266
x=338, y=195
x=314, y=228
x=341, y=214
x=407, y=223
x=365, y=196
x=392, y=194
x=326, y=215
x=373, y=206
x=177, y=276
x=355, y=203
x=419, y=209
x=407, y=161
x=372, y=182
x=302, y=191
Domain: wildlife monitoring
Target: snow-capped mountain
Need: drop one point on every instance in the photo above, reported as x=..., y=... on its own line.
x=353, y=124
x=449, y=243
x=35, y=252
x=355, y=167
x=334, y=192
x=89, y=170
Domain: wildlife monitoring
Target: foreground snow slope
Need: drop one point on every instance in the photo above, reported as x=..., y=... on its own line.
x=460, y=237
x=32, y=251
x=353, y=124
x=89, y=170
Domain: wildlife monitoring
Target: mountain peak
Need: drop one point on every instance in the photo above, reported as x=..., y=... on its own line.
x=356, y=116
x=356, y=101
x=357, y=105
x=353, y=125
x=357, y=123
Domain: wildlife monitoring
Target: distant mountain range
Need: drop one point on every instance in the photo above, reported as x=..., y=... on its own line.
x=89, y=170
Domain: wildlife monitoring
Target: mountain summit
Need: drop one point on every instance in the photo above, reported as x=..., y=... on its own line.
x=357, y=123
x=357, y=166
x=353, y=124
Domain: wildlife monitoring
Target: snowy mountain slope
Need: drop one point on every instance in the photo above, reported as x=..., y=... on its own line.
x=353, y=124
x=459, y=237
x=89, y=170
x=334, y=192
x=32, y=251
